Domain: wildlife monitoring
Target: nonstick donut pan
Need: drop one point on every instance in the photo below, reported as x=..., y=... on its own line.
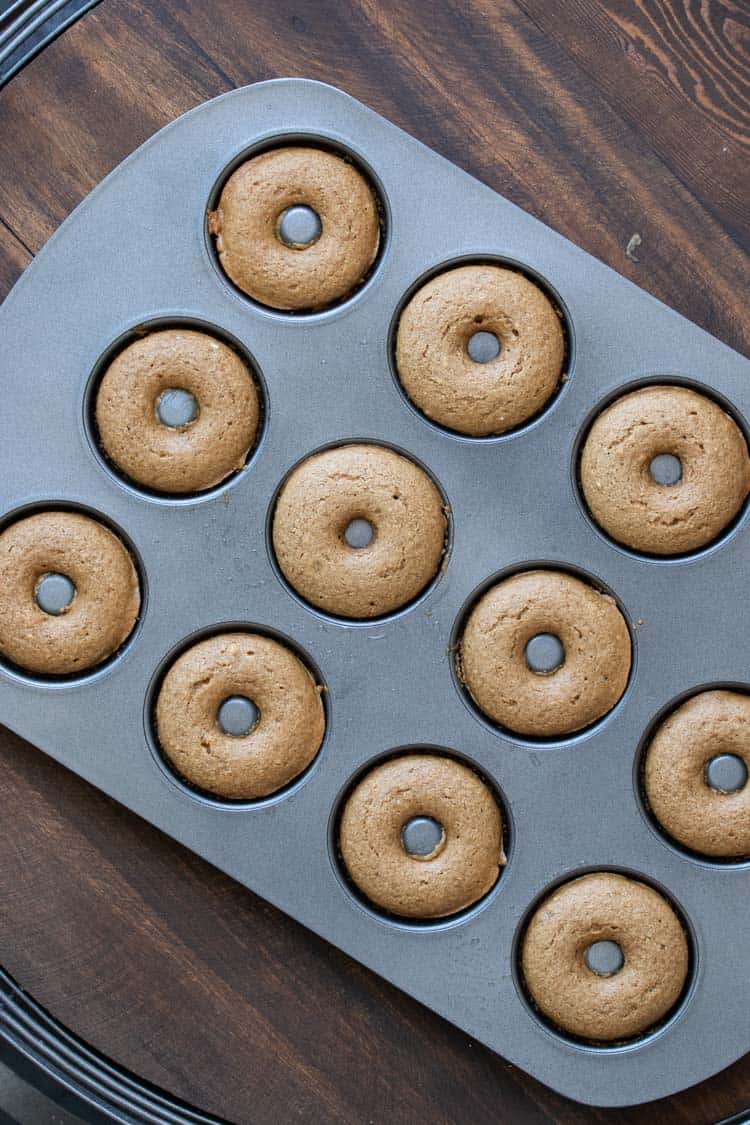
x=136, y=254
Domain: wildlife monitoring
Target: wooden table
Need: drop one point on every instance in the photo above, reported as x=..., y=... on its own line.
x=626, y=126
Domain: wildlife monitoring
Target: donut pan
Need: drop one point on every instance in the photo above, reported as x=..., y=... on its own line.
x=136, y=253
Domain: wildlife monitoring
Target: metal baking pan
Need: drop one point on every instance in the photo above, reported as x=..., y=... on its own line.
x=136, y=253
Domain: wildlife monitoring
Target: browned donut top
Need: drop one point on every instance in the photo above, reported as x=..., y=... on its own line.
x=251, y=250
x=605, y=907
x=492, y=653
x=458, y=872
x=626, y=501
x=103, y=611
x=435, y=367
x=181, y=459
x=318, y=502
x=704, y=819
x=282, y=743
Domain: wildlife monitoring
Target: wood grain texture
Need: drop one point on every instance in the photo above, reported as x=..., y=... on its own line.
x=605, y=120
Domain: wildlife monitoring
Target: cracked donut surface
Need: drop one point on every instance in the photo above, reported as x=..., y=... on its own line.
x=630, y=505
x=319, y=500
x=439, y=375
x=460, y=870
x=491, y=658
x=282, y=743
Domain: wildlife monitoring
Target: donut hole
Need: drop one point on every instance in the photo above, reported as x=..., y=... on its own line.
x=299, y=226
x=544, y=653
x=482, y=346
x=665, y=469
x=177, y=408
x=54, y=593
x=237, y=716
x=422, y=837
x=725, y=773
x=359, y=533
x=604, y=958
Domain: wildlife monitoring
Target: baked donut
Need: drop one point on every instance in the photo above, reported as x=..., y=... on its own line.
x=621, y=492
x=433, y=343
x=493, y=658
x=105, y=592
x=463, y=866
x=605, y=907
x=282, y=742
x=183, y=458
x=705, y=819
x=252, y=206
x=330, y=490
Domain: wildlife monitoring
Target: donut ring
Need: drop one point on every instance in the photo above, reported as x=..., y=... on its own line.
x=699, y=817
x=104, y=608
x=436, y=370
x=253, y=254
x=626, y=501
x=491, y=660
x=464, y=866
x=285, y=739
x=319, y=500
x=190, y=458
x=605, y=907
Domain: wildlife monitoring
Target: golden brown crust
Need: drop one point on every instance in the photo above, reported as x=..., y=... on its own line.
x=605, y=907
x=193, y=457
x=436, y=370
x=250, y=250
x=620, y=492
x=283, y=742
x=319, y=500
x=104, y=609
x=492, y=653
x=703, y=819
x=458, y=873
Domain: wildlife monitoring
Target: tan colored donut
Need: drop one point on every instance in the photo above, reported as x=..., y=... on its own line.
x=190, y=458
x=319, y=500
x=605, y=907
x=251, y=250
x=492, y=653
x=626, y=501
x=436, y=370
x=104, y=608
x=703, y=819
x=285, y=739
x=463, y=867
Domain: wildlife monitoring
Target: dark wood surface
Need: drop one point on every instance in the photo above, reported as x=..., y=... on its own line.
x=606, y=120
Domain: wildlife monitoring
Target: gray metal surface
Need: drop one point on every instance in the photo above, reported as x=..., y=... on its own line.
x=421, y=836
x=604, y=958
x=727, y=773
x=237, y=715
x=483, y=347
x=300, y=226
x=54, y=593
x=135, y=252
x=666, y=469
x=177, y=408
x=544, y=653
